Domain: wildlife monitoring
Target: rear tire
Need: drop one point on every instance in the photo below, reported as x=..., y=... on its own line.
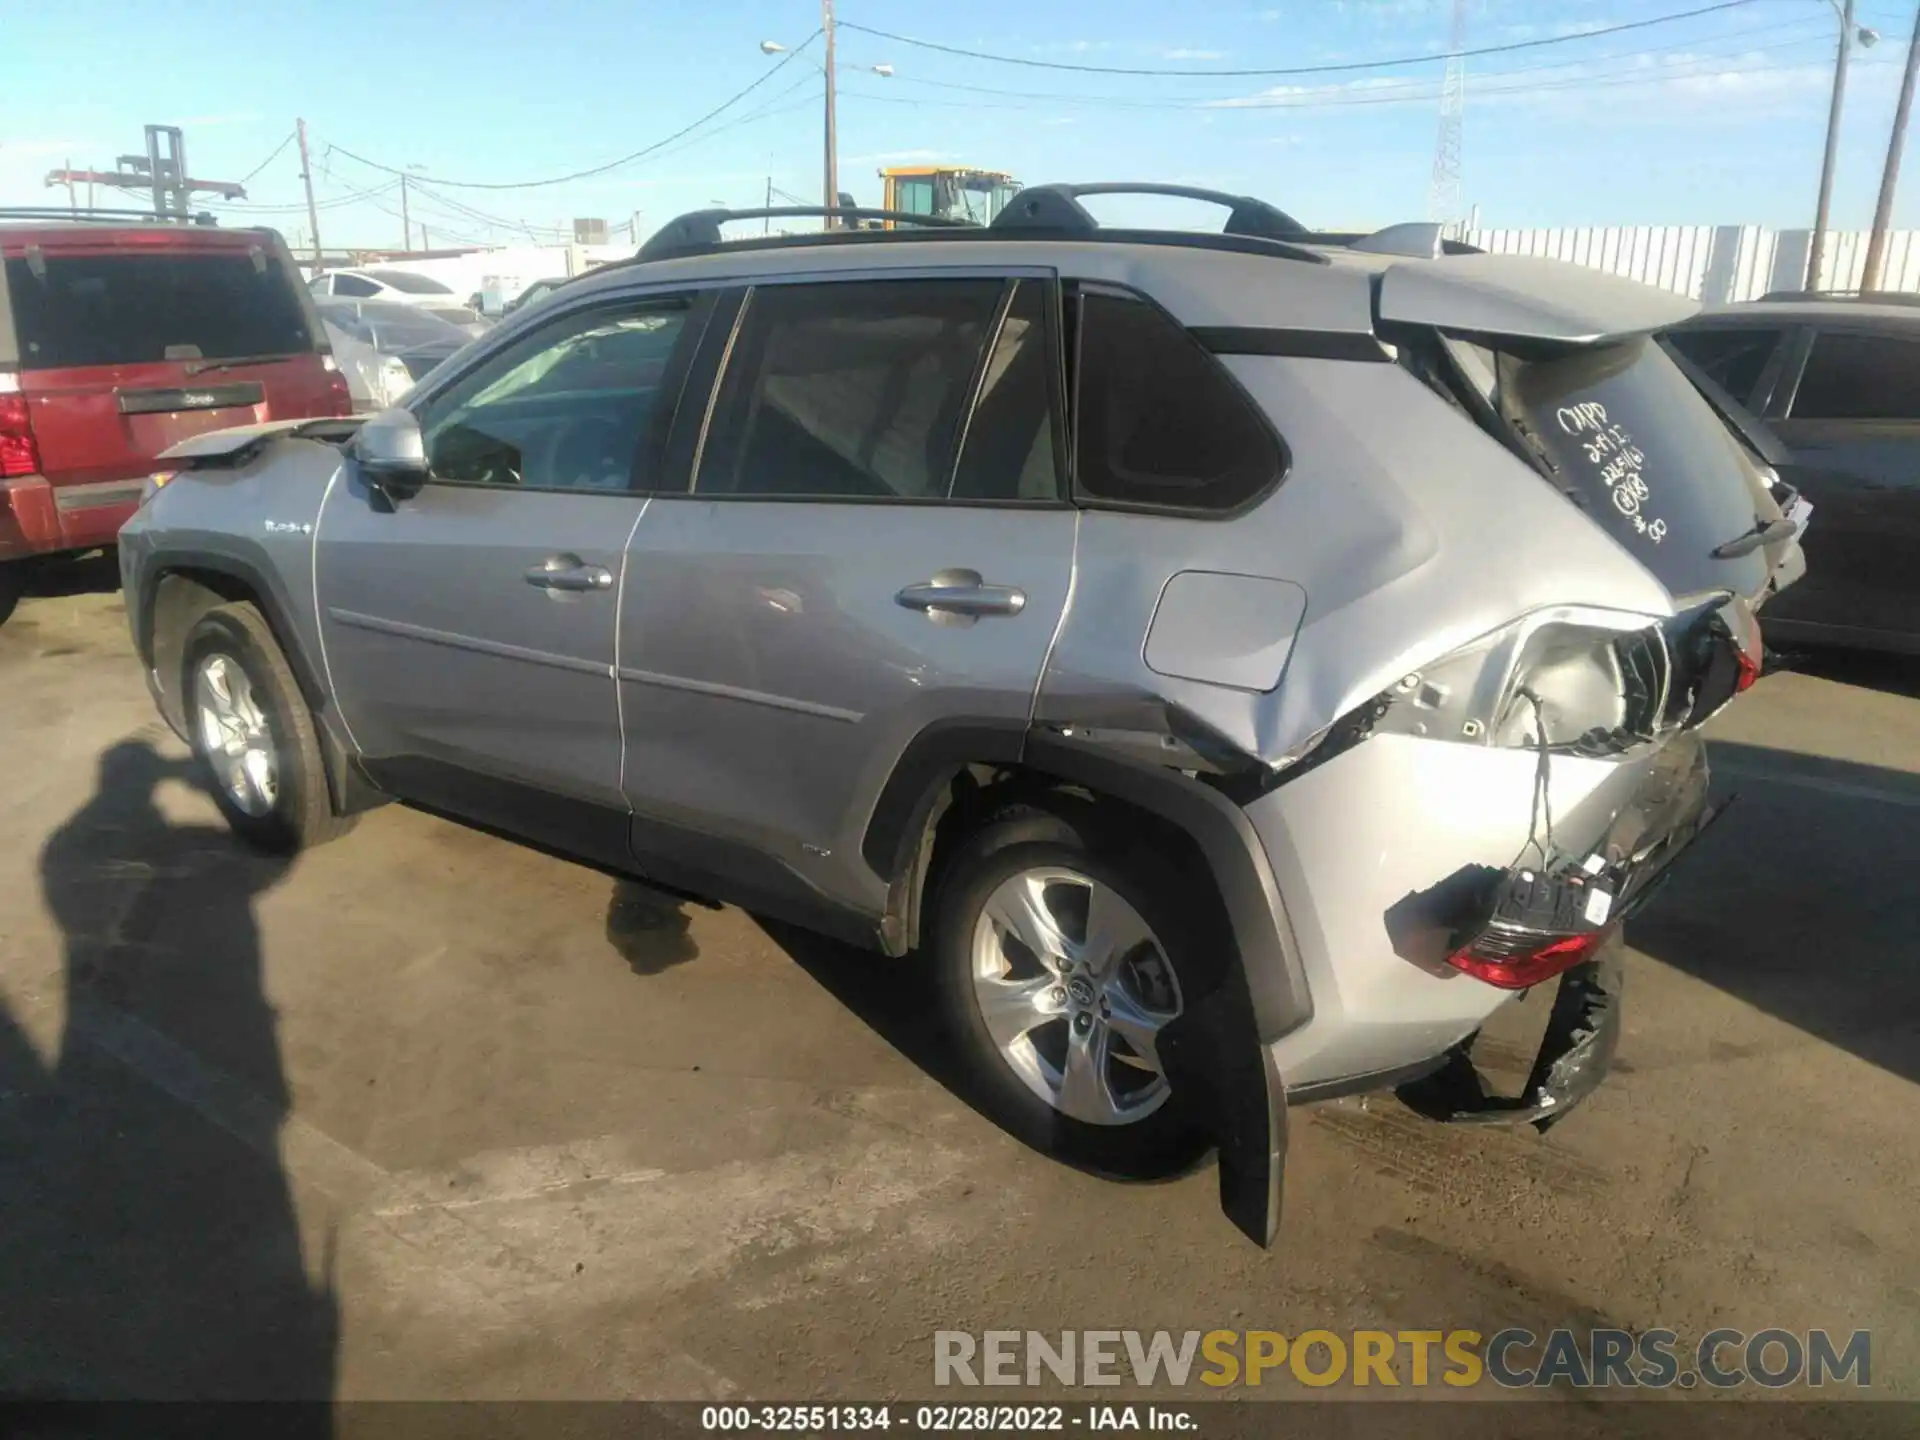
x=1059, y=1046
x=251, y=728
x=15, y=576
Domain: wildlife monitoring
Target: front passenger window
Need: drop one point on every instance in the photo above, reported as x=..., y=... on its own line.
x=576, y=405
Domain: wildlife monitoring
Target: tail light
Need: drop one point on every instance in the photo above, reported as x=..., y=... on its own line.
x=339, y=393
x=19, y=453
x=1527, y=960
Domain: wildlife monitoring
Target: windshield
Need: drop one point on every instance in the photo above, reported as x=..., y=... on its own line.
x=1632, y=440
x=389, y=325
x=138, y=309
x=408, y=282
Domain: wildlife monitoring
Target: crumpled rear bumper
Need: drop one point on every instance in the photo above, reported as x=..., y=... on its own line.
x=1667, y=816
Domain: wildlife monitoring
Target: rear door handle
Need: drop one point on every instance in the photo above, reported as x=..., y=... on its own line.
x=961, y=593
x=569, y=573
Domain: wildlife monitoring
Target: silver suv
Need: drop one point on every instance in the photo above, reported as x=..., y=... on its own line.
x=1239, y=664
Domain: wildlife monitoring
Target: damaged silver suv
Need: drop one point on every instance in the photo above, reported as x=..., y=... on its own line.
x=1238, y=663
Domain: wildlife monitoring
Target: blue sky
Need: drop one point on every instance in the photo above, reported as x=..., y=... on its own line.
x=1716, y=119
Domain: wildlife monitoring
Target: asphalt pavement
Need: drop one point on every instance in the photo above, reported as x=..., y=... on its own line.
x=425, y=1114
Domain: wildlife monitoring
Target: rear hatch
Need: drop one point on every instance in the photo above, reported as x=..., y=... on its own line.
x=1560, y=364
x=129, y=341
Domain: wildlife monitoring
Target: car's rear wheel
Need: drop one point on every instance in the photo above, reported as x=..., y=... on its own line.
x=1060, y=965
x=250, y=727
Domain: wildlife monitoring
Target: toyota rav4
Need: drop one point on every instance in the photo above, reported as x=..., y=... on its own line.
x=1238, y=664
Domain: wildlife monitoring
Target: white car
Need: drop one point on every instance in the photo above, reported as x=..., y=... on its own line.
x=404, y=287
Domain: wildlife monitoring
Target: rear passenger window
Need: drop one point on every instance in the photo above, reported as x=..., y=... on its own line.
x=848, y=390
x=1859, y=377
x=1158, y=422
x=355, y=286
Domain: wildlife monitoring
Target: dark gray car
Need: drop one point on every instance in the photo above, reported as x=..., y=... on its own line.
x=1838, y=382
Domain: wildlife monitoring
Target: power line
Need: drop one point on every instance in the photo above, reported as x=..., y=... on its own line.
x=1687, y=68
x=641, y=153
x=1345, y=66
x=270, y=159
x=1820, y=32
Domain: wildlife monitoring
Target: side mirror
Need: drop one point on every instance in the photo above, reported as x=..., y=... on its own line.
x=392, y=454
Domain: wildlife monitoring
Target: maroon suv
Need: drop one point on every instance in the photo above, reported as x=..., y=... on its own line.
x=118, y=340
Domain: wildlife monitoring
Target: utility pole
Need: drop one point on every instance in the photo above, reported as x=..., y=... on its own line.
x=1817, y=249
x=833, y=163
x=406, y=225
x=73, y=200
x=1890, y=177
x=306, y=179
x=766, y=221
x=1445, y=191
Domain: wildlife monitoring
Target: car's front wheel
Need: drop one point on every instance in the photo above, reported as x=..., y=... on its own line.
x=1061, y=962
x=251, y=728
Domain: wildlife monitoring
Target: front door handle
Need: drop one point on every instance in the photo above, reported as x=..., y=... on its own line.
x=569, y=573
x=961, y=593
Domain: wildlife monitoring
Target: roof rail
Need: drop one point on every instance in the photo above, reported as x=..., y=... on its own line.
x=101, y=217
x=1058, y=208
x=700, y=229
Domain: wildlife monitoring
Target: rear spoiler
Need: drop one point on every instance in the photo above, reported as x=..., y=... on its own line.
x=1526, y=298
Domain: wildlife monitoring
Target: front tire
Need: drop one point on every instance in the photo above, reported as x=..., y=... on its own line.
x=1060, y=960
x=251, y=728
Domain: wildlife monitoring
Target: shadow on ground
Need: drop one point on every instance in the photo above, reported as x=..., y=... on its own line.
x=148, y=1251
x=1862, y=669
x=1800, y=902
x=97, y=573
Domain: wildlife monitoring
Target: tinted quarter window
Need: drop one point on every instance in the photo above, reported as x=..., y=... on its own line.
x=574, y=406
x=1011, y=448
x=848, y=390
x=134, y=309
x=1733, y=357
x=1859, y=377
x=1158, y=421
x=355, y=285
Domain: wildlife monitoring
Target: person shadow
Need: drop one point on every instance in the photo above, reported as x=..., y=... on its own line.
x=150, y=1247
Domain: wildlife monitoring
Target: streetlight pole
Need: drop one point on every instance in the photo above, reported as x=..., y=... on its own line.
x=832, y=201
x=1817, y=248
x=1890, y=176
x=831, y=169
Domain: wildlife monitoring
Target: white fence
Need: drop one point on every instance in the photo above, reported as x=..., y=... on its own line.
x=1715, y=264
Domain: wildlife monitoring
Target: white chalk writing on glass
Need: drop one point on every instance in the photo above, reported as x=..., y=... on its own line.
x=1610, y=449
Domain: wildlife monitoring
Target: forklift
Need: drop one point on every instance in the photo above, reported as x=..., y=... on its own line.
x=947, y=192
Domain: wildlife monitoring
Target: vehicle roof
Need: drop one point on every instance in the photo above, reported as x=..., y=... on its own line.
x=1251, y=284
x=16, y=236
x=1214, y=280
x=1811, y=312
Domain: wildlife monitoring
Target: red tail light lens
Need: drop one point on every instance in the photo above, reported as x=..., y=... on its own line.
x=339, y=394
x=19, y=455
x=1749, y=668
x=1517, y=972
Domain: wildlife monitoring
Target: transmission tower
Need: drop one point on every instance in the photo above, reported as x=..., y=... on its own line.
x=1444, y=197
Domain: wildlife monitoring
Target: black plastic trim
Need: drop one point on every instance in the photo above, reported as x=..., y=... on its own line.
x=1294, y=344
x=191, y=397
x=268, y=593
x=1276, y=983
